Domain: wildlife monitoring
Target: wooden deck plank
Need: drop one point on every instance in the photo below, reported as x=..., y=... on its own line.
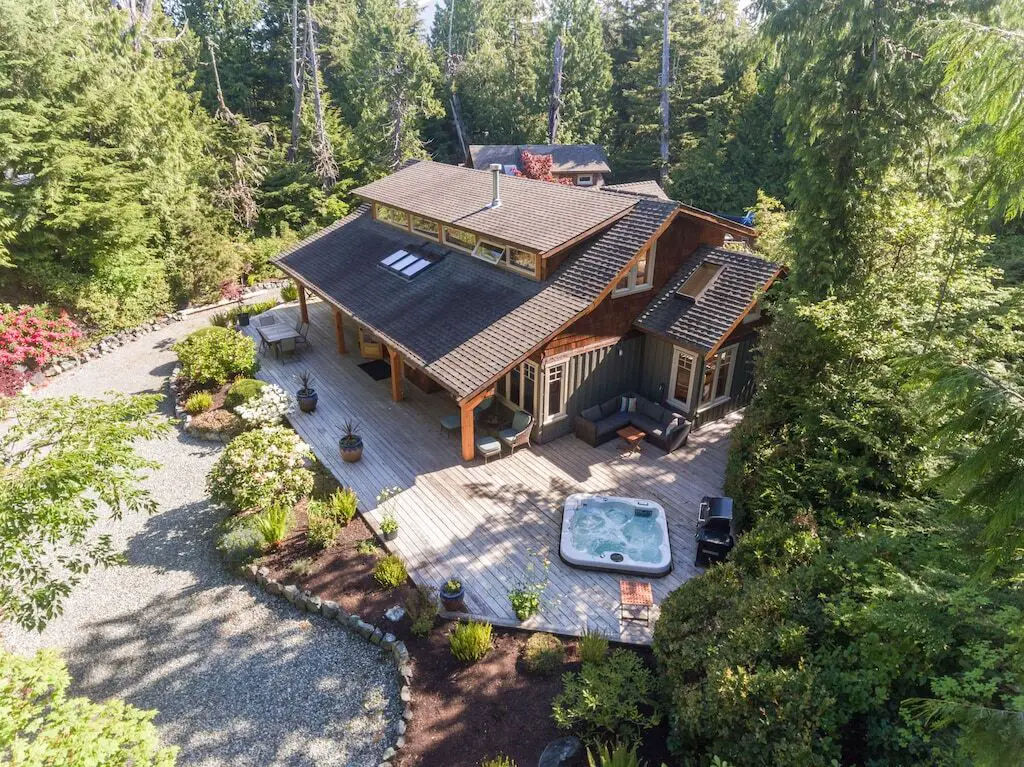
x=481, y=522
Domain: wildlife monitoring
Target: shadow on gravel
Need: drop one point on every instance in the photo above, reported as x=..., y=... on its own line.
x=239, y=678
x=164, y=370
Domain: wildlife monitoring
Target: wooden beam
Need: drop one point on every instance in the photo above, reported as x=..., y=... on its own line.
x=303, y=311
x=468, y=437
x=397, y=390
x=339, y=331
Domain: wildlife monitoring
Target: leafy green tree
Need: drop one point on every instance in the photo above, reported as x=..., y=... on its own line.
x=41, y=725
x=61, y=462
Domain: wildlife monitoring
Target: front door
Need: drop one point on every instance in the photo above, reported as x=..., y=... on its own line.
x=369, y=345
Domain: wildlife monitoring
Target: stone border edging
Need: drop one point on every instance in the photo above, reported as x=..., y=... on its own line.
x=116, y=340
x=186, y=420
x=306, y=601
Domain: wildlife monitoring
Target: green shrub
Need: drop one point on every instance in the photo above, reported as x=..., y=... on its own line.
x=543, y=654
x=525, y=602
x=242, y=391
x=367, y=546
x=241, y=542
x=273, y=524
x=593, y=646
x=289, y=293
x=301, y=567
x=341, y=505
x=422, y=609
x=498, y=761
x=390, y=572
x=322, y=530
x=198, y=403
x=227, y=318
x=260, y=468
x=216, y=355
x=470, y=641
x=619, y=755
x=611, y=699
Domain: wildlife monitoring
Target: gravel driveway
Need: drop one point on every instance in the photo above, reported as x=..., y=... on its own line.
x=239, y=678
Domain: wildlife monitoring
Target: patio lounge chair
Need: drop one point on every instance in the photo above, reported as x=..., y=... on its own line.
x=518, y=434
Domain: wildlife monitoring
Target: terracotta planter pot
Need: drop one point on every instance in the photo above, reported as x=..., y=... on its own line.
x=353, y=451
x=307, y=402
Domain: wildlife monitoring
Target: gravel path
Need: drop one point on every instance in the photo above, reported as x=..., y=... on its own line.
x=239, y=678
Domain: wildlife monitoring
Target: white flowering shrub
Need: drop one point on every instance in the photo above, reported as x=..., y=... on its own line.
x=267, y=409
x=260, y=468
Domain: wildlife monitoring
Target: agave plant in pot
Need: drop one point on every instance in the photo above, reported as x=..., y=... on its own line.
x=306, y=395
x=350, y=444
x=452, y=595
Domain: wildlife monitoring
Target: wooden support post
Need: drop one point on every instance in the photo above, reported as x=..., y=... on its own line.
x=397, y=390
x=468, y=437
x=339, y=331
x=303, y=311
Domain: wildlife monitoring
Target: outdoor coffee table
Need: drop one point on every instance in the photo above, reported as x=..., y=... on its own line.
x=632, y=436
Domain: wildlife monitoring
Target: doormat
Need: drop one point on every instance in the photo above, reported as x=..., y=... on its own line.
x=378, y=370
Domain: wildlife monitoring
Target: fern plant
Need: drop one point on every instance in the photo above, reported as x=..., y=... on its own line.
x=273, y=524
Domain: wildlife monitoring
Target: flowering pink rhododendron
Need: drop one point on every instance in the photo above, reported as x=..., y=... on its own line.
x=28, y=335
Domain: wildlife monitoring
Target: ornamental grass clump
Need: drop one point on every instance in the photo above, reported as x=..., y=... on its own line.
x=543, y=654
x=617, y=755
x=470, y=641
x=498, y=761
x=267, y=409
x=215, y=355
x=593, y=646
x=390, y=572
x=273, y=524
x=260, y=468
x=198, y=403
x=342, y=505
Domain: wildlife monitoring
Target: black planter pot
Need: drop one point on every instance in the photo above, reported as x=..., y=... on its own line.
x=351, y=451
x=243, y=319
x=454, y=603
x=307, y=400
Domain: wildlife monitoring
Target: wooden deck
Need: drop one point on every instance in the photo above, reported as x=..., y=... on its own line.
x=486, y=524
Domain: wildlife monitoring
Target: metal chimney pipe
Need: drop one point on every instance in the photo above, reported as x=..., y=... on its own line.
x=495, y=169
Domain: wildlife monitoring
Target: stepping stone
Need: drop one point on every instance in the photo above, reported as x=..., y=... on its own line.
x=564, y=752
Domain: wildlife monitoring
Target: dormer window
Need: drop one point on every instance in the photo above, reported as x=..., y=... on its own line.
x=584, y=180
x=425, y=227
x=392, y=216
x=489, y=252
x=459, y=238
x=640, y=277
x=698, y=282
x=522, y=261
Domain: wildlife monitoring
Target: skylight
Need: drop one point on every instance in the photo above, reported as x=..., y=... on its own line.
x=699, y=281
x=405, y=264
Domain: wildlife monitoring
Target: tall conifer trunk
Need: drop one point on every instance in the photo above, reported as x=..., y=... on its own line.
x=663, y=171
x=556, y=91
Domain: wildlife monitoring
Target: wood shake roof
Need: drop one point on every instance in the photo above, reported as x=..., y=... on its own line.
x=638, y=188
x=463, y=321
x=535, y=215
x=704, y=323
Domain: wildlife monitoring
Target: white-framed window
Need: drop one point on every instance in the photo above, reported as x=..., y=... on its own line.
x=680, y=384
x=490, y=252
x=717, y=382
x=518, y=387
x=392, y=216
x=522, y=261
x=584, y=181
x=640, y=277
x=554, y=392
x=426, y=227
x=459, y=238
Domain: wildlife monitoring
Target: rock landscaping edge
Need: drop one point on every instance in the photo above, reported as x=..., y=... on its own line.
x=306, y=601
x=209, y=435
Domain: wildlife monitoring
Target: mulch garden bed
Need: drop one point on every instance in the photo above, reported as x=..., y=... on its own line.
x=464, y=713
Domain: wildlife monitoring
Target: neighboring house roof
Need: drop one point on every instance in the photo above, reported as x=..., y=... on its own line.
x=639, y=188
x=705, y=322
x=535, y=215
x=461, y=320
x=565, y=158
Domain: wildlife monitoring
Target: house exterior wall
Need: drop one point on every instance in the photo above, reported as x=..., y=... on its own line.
x=589, y=377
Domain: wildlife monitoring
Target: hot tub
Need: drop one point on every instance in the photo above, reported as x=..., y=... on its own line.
x=627, y=535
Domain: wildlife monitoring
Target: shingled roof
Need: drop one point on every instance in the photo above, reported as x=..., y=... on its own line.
x=565, y=158
x=638, y=188
x=461, y=320
x=704, y=323
x=536, y=215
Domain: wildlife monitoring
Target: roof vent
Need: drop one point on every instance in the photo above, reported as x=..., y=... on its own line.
x=496, y=171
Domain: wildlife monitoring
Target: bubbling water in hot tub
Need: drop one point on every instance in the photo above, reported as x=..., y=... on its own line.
x=606, y=528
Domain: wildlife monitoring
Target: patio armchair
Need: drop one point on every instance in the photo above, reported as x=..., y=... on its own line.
x=518, y=434
x=486, y=404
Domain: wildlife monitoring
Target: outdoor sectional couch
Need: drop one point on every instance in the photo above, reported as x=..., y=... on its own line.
x=664, y=428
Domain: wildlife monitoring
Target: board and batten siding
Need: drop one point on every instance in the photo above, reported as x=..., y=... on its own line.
x=591, y=377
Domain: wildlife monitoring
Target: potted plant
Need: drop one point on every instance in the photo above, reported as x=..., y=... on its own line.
x=242, y=317
x=389, y=527
x=306, y=395
x=350, y=444
x=452, y=594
